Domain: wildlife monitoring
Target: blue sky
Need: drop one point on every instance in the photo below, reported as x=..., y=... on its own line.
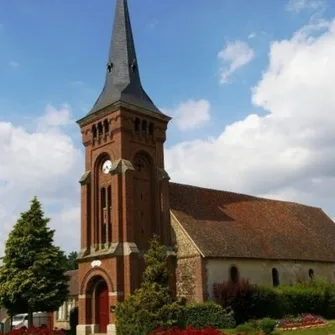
x=52, y=64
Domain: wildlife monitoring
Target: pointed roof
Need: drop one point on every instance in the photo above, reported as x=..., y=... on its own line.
x=123, y=81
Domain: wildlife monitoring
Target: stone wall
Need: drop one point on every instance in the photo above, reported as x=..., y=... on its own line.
x=260, y=271
x=189, y=272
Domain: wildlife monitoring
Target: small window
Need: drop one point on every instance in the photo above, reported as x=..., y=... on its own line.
x=144, y=127
x=151, y=128
x=106, y=126
x=94, y=131
x=100, y=128
x=234, y=276
x=311, y=273
x=275, y=277
x=137, y=125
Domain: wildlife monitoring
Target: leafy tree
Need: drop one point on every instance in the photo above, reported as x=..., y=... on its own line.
x=32, y=274
x=152, y=305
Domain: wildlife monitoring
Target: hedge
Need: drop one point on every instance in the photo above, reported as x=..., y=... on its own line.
x=251, y=301
x=210, y=314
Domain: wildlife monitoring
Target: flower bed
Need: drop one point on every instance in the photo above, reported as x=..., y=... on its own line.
x=193, y=331
x=301, y=322
x=36, y=331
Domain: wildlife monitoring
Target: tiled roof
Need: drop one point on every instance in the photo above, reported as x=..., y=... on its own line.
x=225, y=224
x=73, y=282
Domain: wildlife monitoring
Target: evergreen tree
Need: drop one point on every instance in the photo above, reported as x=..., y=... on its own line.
x=72, y=261
x=32, y=274
x=152, y=305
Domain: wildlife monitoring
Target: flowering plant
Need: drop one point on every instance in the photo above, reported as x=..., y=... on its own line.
x=302, y=321
x=36, y=331
x=192, y=331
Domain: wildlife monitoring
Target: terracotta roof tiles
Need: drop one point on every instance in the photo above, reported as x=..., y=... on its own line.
x=226, y=224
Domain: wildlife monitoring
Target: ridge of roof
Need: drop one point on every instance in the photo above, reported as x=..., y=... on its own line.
x=249, y=196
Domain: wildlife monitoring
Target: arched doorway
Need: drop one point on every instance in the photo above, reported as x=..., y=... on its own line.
x=101, y=306
x=97, y=303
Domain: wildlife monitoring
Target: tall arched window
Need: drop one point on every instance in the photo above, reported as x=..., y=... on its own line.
x=234, y=275
x=103, y=215
x=275, y=277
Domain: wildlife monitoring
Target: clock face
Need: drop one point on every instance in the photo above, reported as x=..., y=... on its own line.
x=107, y=165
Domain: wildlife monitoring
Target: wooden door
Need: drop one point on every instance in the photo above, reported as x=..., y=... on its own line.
x=102, y=307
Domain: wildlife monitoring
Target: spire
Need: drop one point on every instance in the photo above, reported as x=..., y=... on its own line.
x=123, y=81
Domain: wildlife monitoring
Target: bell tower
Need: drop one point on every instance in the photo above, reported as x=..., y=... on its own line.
x=124, y=189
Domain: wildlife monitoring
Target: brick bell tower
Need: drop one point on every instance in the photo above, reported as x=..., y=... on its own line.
x=124, y=190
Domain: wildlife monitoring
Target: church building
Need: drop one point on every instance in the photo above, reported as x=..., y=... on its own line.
x=210, y=235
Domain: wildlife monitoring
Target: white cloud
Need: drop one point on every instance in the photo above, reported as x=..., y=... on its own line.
x=191, y=114
x=45, y=163
x=234, y=56
x=300, y=5
x=288, y=153
x=14, y=64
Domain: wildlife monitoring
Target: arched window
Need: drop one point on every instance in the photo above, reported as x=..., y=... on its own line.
x=275, y=277
x=144, y=127
x=151, y=128
x=94, y=131
x=311, y=273
x=106, y=126
x=103, y=215
x=100, y=129
x=234, y=275
x=137, y=125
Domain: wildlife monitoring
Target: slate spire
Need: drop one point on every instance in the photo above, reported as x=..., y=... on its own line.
x=123, y=81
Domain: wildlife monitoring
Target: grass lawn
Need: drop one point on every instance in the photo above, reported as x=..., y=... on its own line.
x=328, y=330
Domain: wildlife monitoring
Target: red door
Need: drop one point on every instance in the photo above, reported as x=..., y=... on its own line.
x=102, y=310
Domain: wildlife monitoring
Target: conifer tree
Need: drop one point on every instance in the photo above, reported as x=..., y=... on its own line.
x=153, y=304
x=32, y=274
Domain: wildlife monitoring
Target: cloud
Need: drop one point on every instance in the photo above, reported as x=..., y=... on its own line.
x=288, y=153
x=14, y=64
x=300, y=5
x=190, y=114
x=44, y=162
x=233, y=57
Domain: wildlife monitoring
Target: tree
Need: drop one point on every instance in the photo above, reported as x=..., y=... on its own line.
x=152, y=305
x=32, y=275
x=71, y=261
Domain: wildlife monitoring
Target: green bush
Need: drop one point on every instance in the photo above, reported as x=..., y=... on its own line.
x=268, y=325
x=245, y=328
x=152, y=305
x=266, y=301
x=256, y=302
x=208, y=314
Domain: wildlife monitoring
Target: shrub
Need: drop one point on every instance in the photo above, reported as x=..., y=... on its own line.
x=207, y=315
x=152, y=304
x=267, y=325
x=188, y=331
x=245, y=328
x=237, y=296
x=266, y=301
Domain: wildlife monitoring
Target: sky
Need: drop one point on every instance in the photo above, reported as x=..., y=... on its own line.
x=248, y=84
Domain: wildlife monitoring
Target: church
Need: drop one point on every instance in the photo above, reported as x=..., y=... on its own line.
x=210, y=235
